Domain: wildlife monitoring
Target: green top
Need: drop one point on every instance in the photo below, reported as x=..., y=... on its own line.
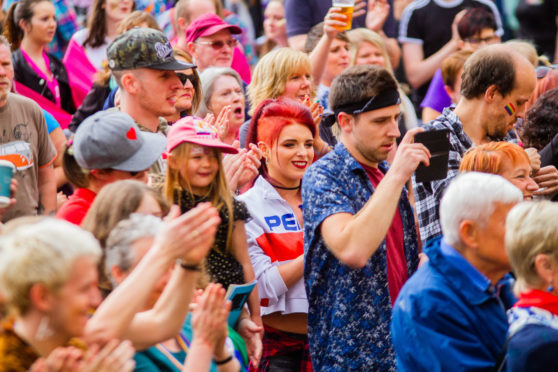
x=152, y=359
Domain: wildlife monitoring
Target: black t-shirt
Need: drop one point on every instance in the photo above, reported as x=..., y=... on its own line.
x=537, y=20
x=221, y=265
x=428, y=23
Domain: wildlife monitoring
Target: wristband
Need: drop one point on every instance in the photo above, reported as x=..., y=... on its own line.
x=191, y=267
x=224, y=361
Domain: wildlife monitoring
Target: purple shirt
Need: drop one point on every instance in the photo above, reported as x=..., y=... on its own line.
x=436, y=98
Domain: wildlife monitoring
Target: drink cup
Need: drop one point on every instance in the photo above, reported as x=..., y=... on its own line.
x=7, y=170
x=346, y=7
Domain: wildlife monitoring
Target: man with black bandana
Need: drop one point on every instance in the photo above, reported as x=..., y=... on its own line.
x=360, y=237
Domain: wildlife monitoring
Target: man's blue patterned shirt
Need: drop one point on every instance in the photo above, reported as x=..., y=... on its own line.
x=349, y=309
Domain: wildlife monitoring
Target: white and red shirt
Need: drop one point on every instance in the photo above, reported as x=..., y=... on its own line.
x=275, y=237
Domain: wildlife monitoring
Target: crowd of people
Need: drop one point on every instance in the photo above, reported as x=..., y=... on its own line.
x=233, y=185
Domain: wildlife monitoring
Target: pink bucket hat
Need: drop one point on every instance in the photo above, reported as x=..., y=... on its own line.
x=195, y=130
x=207, y=25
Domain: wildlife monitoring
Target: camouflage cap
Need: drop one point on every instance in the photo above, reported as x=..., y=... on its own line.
x=143, y=48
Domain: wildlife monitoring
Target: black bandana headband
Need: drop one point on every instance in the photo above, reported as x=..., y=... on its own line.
x=387, y=98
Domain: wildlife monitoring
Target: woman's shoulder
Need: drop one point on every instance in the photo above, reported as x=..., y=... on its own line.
x=80, y=36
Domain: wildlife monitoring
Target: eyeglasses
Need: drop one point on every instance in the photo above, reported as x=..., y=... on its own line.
x=219, y=44
x=185, y=77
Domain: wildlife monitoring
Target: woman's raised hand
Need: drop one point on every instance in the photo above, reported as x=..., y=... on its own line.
x=209, y=317
x=188, y=236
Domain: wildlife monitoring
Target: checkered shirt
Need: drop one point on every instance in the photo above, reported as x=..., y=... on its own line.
x=429, y=194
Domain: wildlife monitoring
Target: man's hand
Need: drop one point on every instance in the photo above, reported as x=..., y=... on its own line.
x=534, y=159
x=189, y=236
x=408, y=156
x=456, y=19
x=13, y=191
x=547, y=179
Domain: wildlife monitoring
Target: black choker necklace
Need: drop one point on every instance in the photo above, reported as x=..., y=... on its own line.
x=285, y=188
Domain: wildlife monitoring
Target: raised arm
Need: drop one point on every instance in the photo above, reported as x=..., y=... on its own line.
x=186, y=237
x=350, y=237
x=419, y=69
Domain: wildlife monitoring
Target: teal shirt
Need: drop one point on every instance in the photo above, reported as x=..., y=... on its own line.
x=152, y=359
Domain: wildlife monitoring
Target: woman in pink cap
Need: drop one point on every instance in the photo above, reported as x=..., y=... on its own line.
x=195, y=174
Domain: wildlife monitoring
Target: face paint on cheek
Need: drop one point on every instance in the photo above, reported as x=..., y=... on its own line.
x=510, y=109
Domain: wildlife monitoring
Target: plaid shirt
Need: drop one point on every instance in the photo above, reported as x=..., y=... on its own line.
x=428, y=195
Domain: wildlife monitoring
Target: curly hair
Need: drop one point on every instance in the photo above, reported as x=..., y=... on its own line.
x=541, y=121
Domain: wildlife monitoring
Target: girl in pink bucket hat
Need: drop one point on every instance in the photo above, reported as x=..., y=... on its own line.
x=195, y=174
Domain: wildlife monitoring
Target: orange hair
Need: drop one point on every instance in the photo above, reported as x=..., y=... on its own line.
x=489, y=158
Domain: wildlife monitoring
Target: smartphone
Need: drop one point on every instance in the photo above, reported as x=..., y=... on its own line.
x=438, y=143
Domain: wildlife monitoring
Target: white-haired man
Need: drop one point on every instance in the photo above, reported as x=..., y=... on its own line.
x=453, y=306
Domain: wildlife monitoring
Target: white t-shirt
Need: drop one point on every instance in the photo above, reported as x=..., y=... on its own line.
x=96, y=55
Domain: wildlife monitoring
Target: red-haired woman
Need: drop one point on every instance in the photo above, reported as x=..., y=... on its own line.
x=284, y=130
x=505, y=159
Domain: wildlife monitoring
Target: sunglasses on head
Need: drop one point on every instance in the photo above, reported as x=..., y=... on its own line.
x=219, y=44
x=184, y=77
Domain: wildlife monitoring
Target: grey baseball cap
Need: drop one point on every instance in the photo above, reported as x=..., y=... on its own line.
x=112, y=140
x=143, y=48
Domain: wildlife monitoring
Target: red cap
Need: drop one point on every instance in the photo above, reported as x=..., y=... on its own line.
x=195, y=130
x=207, y=25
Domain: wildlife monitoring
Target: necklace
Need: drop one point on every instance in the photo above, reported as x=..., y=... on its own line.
x=285, y=188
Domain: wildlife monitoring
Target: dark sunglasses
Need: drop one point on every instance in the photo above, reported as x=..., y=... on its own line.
x=184, y=77
x=219, y=44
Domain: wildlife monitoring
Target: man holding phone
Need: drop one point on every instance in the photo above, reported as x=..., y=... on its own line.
x=496, y=83
x=360, y=237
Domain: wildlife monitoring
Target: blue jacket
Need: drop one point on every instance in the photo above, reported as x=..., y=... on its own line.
x=448, y=316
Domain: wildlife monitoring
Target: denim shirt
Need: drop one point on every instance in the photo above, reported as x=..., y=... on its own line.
x=453, y=312
x=349, y=309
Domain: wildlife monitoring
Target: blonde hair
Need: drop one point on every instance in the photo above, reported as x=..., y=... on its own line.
x=364, y=35
x=531, y=229
x=528, y=50
x=219, y=193
x=272, y=72
x=42, y=252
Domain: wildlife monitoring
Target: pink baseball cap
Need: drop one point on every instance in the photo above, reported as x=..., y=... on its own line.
x=207, y=25
x=195, y=130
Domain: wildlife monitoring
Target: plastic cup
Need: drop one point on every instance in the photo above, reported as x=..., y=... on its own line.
x=7, y=170
x=346, y=7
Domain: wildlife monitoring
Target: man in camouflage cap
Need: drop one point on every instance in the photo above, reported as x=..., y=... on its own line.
x=143, y=64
